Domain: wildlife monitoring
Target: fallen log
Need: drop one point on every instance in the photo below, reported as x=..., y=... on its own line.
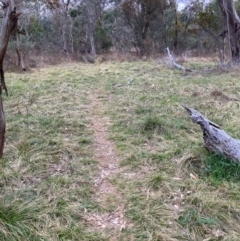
x=215, y=139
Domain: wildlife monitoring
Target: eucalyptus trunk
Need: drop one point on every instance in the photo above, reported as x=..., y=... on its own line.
x=91, y=26
x=19, y=50
x=9, y=23
x=232, y=22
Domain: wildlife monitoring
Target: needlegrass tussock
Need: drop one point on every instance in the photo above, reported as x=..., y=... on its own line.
x=172, y=189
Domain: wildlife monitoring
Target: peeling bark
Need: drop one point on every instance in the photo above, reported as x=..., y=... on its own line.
x=215, y=139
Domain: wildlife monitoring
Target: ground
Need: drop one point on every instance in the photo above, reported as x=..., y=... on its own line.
x=108, y=164
x=106, y=151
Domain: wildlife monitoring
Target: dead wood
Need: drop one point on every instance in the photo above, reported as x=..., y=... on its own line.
x=173, y=62
x=215, y=139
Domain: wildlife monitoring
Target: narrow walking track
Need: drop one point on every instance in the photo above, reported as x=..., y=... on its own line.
x=105, y=154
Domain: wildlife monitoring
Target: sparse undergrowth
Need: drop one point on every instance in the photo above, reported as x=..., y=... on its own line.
x=172, y=188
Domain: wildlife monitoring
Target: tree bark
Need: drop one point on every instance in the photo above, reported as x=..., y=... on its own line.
x=91, y=27
x=215, y=139
x=164, y=32
x=233, y=26
x=64, y=38
x=173, y=4
x=9, y=23
x=19, y=50
x=66, y=29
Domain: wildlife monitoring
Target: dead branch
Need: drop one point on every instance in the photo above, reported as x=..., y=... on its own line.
x=215, y=139
x=173, y=62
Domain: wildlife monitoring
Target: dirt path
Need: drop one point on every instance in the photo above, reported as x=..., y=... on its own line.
x=104, y=152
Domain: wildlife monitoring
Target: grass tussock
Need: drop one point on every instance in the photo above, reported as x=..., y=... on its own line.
x=172, y=188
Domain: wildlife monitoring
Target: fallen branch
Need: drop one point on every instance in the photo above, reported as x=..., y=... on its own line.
x=215, y=139
x=121, y=85
x=129, y=82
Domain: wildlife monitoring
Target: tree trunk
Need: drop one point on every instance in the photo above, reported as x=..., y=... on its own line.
x=9, y=23
x=91, y=27
x=64, y=38
x=215, y=139
x=164, y=32
x=175, y=43
x=19, y=50
x=2, y=119
x=233, y=26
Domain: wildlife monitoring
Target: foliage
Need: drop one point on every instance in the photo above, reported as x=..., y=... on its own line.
x=140, y=15
x=144, y=26
x=102, y=38
x=211, y=18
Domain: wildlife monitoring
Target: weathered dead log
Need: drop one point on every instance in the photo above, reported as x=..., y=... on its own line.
x=215, y=139
x=172, y=61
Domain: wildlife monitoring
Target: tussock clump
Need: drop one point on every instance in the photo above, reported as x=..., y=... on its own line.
x=152, y=125
x=219, y=95
x=143, y=110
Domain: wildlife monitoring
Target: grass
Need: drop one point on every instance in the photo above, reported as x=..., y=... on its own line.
x=48, y=157
x=218, y=169
x=171, y=187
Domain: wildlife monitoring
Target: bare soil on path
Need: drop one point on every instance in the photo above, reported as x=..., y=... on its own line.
x=108, y=164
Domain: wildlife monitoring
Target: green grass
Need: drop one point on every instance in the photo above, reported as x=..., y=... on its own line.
x=172, y=189
x=48, y=157
x=159, y=144
x=219, y=169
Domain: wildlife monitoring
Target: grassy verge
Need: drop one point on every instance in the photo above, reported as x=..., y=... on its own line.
x=173, y=189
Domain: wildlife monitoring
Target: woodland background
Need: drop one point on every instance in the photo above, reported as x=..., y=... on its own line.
x=52, y=31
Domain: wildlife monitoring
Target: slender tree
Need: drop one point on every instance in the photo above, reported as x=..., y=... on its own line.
x=17, y=33
x=91, y=25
